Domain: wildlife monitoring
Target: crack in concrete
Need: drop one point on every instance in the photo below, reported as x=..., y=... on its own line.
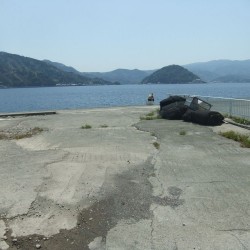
x=175, y=246
x=160, y=183
x=236, y=229
x=156, y=170
x=244, y=247
x=130, y=198
x=152, y=229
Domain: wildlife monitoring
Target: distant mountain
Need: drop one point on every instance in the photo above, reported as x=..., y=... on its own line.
x=172, y=74
x=20, y=71
x=124, y=76
x=222, y=70
x=62, y=66
x=212, y=71
x=232, y=78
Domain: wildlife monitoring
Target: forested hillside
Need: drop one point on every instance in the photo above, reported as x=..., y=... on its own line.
x=172, y=74
x=20, y=71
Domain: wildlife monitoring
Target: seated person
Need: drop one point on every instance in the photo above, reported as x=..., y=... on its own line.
x=151, y=97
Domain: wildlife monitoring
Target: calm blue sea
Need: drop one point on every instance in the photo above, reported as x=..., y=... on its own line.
x=56, y=98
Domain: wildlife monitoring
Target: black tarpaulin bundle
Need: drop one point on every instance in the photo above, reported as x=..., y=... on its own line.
x=203, y=117
x=176, y=108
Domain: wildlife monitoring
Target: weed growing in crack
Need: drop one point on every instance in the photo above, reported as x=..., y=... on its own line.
x=104, y=126
x=153, y=115
x=182, y=132
x=156, y=145
x=86, y=126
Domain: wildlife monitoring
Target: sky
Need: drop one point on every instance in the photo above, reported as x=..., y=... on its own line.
x=103, y=35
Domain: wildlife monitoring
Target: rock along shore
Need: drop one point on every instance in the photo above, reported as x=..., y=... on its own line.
x=106, y=179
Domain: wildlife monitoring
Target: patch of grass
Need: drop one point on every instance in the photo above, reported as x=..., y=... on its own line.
x=239, y=120
x=151, y=113
x=151, y=116
x=147, y=118
x=20, y=136
x=37, y=130
x=104, y=126
x=182, y=132
x=86, y=126
x=17, y=135
x=3, y=136
x=30, y=133
x=156, y=144
x=244, y=140
x=153, y=134
x=152, y=175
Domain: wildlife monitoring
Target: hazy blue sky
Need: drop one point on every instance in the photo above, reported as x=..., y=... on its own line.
x=102, y=35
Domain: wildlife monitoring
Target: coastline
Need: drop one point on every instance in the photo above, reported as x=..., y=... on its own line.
x=110, y=187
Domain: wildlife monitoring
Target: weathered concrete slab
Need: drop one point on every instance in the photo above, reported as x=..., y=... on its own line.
x=110, y=187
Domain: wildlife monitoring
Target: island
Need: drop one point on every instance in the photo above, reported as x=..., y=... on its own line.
x=172, y=74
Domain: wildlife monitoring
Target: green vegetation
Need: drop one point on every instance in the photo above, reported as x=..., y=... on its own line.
x=182, y=132
x=171, y=74
x=17, y=135
x=86, y=126
x=239, y=120
x=244, y=140
x=151, y=115
x=104, y=126
x=20, y=71
x=147, y=118
x=156, y=144
x=152, y=175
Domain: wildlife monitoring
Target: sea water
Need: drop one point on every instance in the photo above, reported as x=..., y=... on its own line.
x=58, y=98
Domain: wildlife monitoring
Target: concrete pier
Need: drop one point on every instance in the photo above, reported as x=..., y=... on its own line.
x=122, y=183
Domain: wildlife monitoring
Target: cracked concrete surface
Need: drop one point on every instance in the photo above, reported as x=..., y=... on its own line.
x=108, y=187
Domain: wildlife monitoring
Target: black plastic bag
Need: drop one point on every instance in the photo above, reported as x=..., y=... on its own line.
x=203, y=117
x=171, y=99
x=173, y=111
